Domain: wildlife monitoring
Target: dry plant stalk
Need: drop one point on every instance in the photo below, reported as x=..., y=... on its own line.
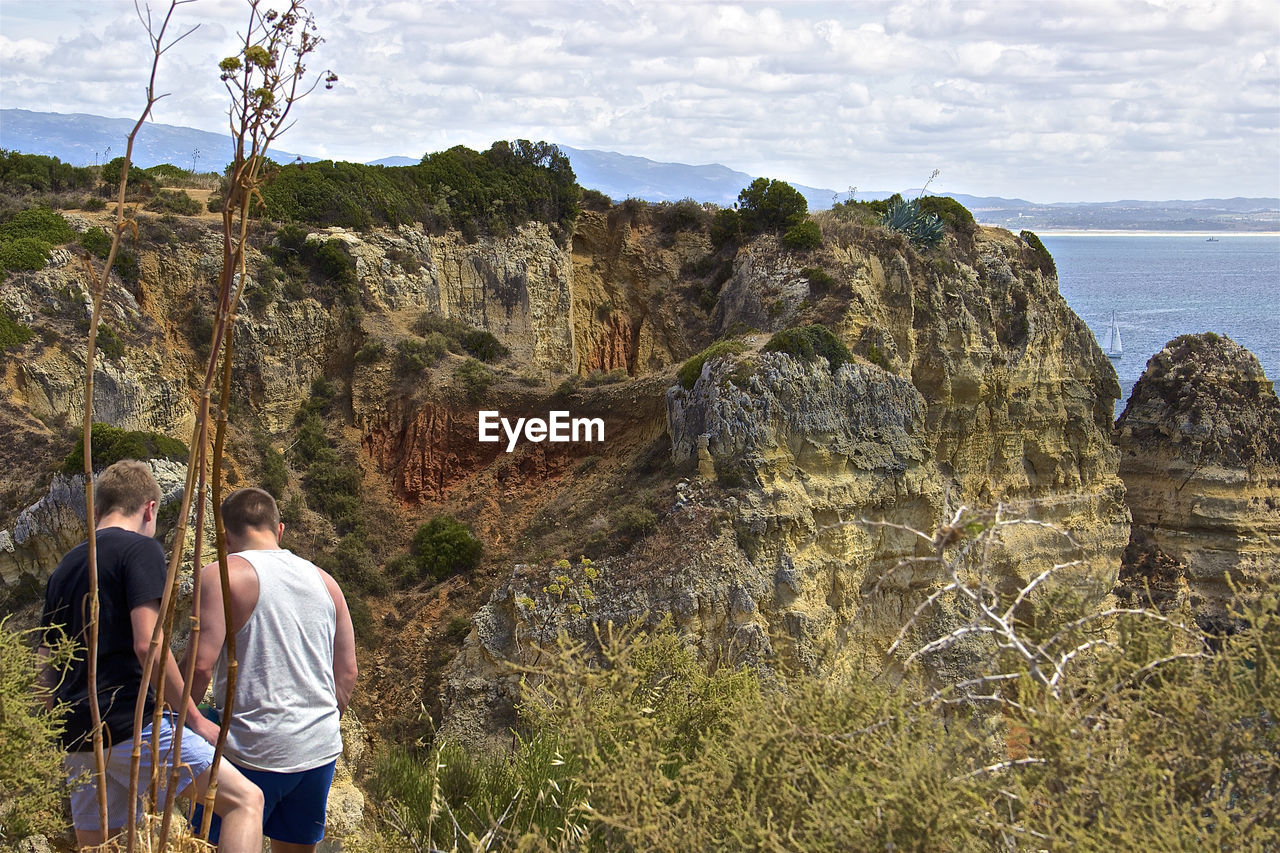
x=98, y=289
x=265, y=79
x=968, y=538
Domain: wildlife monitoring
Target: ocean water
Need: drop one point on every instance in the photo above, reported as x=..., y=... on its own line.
x=1162, y=286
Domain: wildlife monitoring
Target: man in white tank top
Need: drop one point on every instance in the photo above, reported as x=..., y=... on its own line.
x=295, y=649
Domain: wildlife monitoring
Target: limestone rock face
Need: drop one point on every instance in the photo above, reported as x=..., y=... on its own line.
x=1200, y=458
x=518, y=287
x=627, y=314
x=985, y=389
x=55, y=524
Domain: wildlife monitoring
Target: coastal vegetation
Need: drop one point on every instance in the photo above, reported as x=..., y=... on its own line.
x=1011, y=711
x=1073, y=728
x=492, y=192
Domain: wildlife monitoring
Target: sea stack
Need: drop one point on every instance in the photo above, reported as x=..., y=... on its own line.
x=1200, y=460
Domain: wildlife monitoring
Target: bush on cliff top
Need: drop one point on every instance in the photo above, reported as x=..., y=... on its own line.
x=809, y=342
x=111, y=444
x=692, y=369
x=494, y=192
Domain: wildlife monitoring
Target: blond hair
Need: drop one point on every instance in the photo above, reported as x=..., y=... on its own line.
x=124, y=486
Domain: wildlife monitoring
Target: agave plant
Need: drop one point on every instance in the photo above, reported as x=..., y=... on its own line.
x=924, y=230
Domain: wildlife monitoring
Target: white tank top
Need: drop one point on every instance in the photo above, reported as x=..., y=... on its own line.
x=285, y=717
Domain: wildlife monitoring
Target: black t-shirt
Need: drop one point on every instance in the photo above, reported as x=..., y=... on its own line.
x=131, y=572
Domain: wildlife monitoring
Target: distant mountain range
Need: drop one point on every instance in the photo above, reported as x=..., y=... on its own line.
x=82, y=139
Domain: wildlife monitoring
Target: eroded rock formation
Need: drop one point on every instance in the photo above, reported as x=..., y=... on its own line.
x=1200, y=459
x=987, y=389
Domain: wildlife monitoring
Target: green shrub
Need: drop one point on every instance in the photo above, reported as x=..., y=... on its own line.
x=877, y=357
x=141, y=184
x=24, y=253
x=332, y=487
x=952, y=213
x=474, y=379
x=596, y=200
x=483, y=345
x=109, y=342
x=770, y=205
x=692, y=369
x=683, y=215
x=39, y=223
x=371, y=351
x=726, y=227
x=444, y=547
x=414, y=356
x=111, y=444
x=97, y=241
x=406, y=259
x=174, y=201
x=273, y=473
x=809, y=342
x=37, y=173
x=495, y=191
x=1043, y=260
x=820, y=281
x=13, y=333
x=802, y=236
x=634, y=522
x=31, y=773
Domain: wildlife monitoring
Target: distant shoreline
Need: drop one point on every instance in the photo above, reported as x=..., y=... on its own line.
x=1124, y=232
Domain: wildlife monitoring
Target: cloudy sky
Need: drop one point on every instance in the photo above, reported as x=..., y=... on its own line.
x=1058, y=100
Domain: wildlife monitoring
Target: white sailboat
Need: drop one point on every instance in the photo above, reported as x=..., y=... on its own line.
x=1111, y=343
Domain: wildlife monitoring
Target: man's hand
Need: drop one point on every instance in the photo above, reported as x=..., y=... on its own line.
x=203, y=726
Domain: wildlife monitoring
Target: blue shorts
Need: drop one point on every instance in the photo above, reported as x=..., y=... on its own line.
x=294, y=804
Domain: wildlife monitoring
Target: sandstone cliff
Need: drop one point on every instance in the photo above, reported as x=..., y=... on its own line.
x=1200, y=458
x=974, y=384
x=988, y=389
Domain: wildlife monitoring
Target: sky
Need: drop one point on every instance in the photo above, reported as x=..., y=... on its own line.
x=1057, y=100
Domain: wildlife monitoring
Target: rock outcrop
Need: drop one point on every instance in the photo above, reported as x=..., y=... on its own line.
x=47, y=529
x=1200, y=459
x=985, y=389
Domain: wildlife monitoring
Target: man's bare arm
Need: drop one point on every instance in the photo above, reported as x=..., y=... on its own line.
x=213, y=632
x=167, y=678
x=344, y=646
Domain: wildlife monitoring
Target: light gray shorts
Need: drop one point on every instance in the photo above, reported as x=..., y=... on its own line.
x=196, y=756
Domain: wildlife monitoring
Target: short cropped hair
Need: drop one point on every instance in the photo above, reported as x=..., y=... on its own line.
x=124, y=487
x=249, y=509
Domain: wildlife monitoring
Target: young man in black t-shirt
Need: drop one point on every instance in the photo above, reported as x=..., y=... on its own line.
x=131, y=582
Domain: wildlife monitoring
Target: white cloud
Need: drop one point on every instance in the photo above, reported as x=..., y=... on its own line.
x=1053, y=100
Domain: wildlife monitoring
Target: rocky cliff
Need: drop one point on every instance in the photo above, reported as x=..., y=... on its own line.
x=746, y=507
x=985, y=388
x=1200, y=459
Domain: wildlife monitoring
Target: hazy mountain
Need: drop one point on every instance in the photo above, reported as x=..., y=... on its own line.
x=83, y=139
x=621, y=176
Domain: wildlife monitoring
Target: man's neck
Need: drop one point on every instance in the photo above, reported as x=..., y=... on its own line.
x=132, y=523
x=254, y=540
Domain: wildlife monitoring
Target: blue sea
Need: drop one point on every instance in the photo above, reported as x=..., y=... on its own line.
x=1162, y=286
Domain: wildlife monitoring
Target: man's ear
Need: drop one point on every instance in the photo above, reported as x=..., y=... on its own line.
x=279, y=532
x=149, y=510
